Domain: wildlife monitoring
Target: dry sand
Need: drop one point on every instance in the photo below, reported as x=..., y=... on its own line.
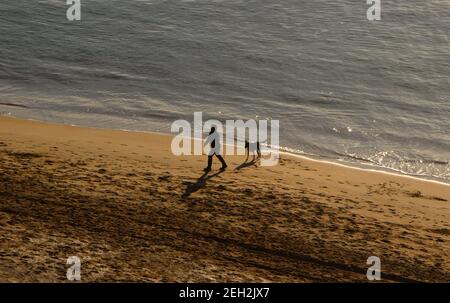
x=131, y=211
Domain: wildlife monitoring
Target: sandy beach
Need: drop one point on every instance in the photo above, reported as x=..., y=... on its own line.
x=131, y=211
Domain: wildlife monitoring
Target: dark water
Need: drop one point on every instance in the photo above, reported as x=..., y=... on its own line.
x=342, y=87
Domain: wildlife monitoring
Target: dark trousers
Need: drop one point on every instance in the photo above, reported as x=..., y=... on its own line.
x=210, y=158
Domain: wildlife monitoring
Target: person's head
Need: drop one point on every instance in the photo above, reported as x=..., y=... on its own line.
x=213, y=129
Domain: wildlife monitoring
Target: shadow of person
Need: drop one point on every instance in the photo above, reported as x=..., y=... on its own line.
x=201, y=182
x=247, y=164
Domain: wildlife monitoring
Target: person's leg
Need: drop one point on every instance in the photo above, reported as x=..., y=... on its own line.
x=210, y=157
x=247, y=150
x=224, y=164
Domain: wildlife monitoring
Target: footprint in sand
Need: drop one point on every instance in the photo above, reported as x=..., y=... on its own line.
x=164, y=178
x=4, y=218
x=248, y=192
x=442, y=231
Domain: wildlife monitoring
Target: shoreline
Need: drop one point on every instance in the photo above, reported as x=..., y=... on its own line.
x=322, y=159
x=376, y=169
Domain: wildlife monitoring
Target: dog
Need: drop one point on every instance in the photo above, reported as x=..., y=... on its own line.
x=253, y=147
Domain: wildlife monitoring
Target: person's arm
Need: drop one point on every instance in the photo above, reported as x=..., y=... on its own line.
x=208, y=140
